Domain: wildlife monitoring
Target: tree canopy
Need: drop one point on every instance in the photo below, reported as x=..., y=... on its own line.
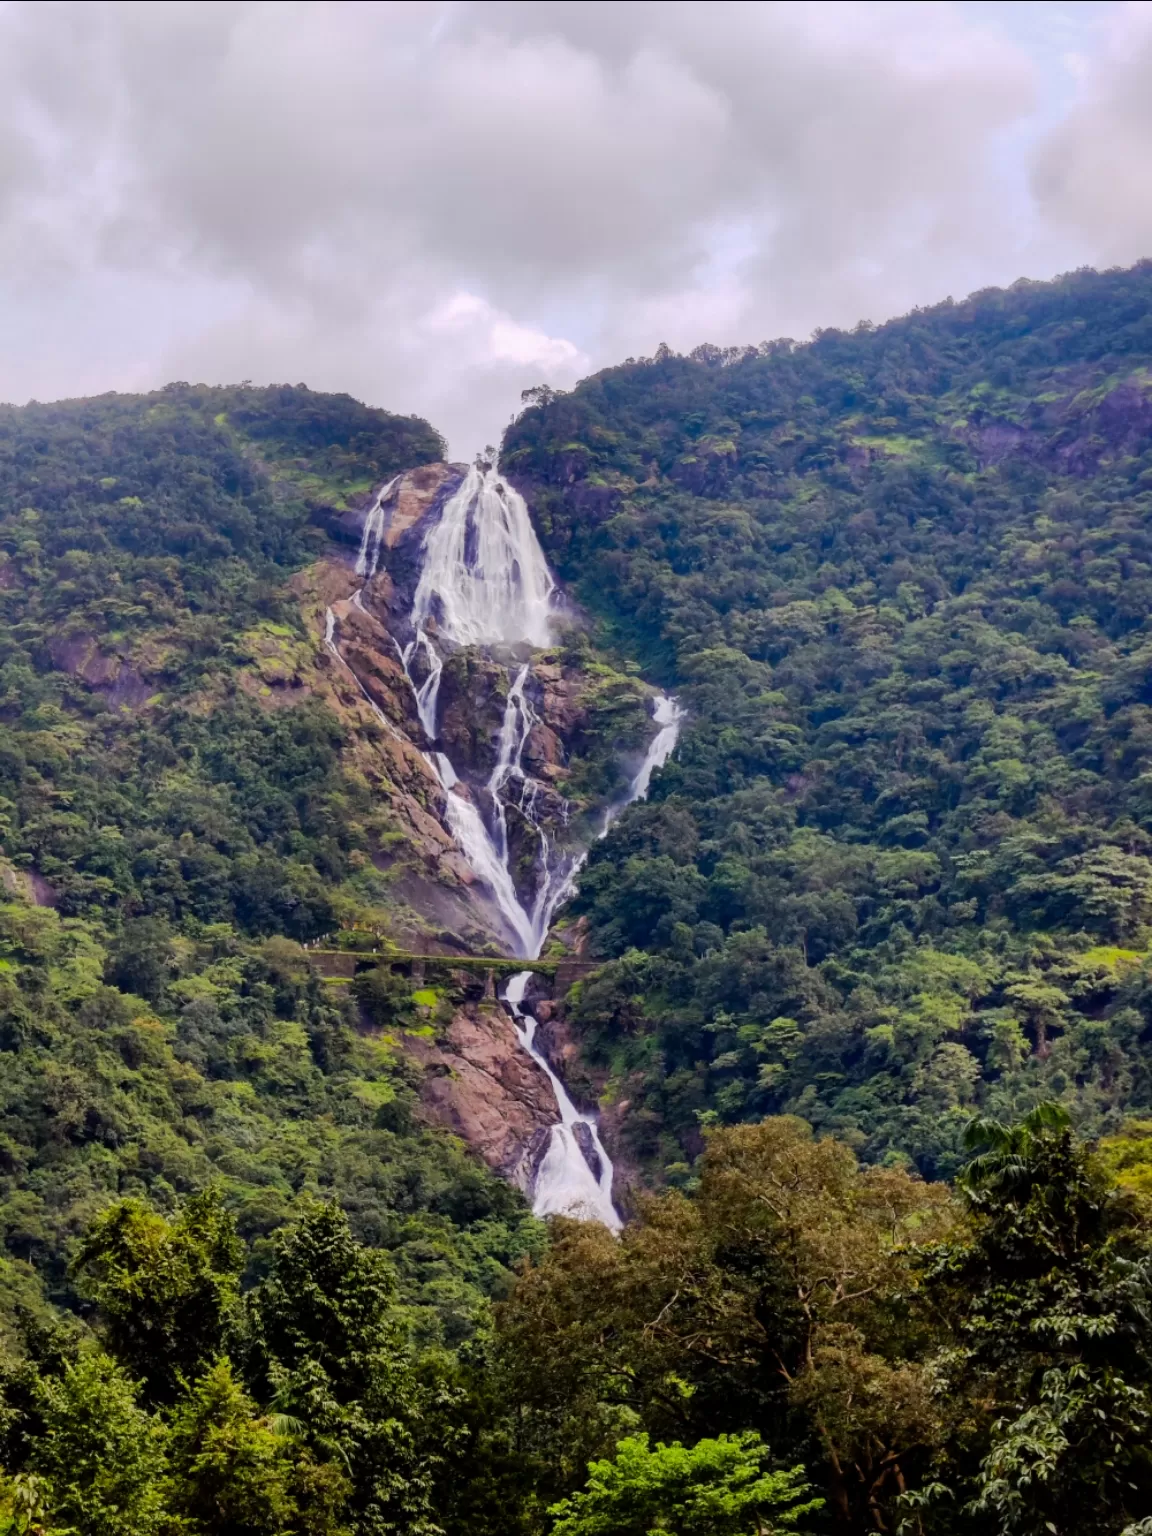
x=900, y=868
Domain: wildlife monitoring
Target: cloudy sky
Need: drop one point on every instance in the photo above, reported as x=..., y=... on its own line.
x=435, y=204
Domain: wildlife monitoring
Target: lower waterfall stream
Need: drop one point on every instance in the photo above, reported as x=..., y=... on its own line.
x=566, y=1182
x=484, y=581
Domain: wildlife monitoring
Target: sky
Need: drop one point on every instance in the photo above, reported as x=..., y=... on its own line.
x=436, y=204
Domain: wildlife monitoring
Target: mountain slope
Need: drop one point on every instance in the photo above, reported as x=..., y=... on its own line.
x=901, y=577
x=147, y=541
x=210, y=753
x=190, y=783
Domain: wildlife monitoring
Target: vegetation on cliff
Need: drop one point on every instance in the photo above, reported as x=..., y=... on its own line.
x=143, y=556
x=801, y=1344
x=159, y=1029
x=901, y=867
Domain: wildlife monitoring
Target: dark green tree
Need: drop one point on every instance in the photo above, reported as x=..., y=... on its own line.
x=1050, y=1301
x=165, y=1290
x=328, y=1349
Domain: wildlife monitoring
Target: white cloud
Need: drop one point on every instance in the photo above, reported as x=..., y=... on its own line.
x=436, y=205
x=466, y=317
x=1093, y=175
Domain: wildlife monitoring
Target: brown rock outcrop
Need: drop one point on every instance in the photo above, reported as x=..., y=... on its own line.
x=413, y=497
x=427, y=869
x=409, y=502
x=561, y=707
x=479, y=1084
x=473, y=693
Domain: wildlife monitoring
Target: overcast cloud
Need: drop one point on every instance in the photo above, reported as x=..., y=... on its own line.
x=436, y=205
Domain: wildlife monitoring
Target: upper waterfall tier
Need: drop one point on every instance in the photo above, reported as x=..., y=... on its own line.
x=484, y=580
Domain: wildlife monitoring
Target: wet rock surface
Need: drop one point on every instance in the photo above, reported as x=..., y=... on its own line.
x=481, y=1085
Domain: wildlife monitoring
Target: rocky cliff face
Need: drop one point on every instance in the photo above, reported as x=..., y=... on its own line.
x=585, y=716
x=441, y=903
x=481, y=1085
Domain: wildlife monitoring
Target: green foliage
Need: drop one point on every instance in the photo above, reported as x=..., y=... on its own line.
x=248, y=1075
x=100, y=1455
x=149, y=1048
x=900, y=578
x=143, y=541
x=386, y=998
x=232, y=1470
x=22, y=1505
x=887, y=914
x=916, y=1362
x=327, y=1342
x=941, y=1366
x=716, y=1487
x=319, y=1420
x=329, y=441
x=781, y=1296
x=1049, y=1297
x=164, y=1289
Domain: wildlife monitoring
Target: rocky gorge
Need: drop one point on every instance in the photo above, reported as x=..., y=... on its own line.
x=500, y=744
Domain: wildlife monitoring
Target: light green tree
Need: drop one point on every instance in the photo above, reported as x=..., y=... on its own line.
x=234, y=1469
x=101, y=1457
x=718, y=1487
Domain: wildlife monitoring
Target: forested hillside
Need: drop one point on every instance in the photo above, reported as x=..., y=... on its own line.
x=159, y=1030
x=866, y=987
x=145, y=545
x=901, y=578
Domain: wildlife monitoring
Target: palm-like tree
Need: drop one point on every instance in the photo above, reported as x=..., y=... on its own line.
x=1005, y=1165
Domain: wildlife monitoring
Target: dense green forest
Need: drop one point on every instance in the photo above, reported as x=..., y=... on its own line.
x=901, y=867
x=160, y=1032
x=144, y=546
x=872, y=1009
x=800, y=1345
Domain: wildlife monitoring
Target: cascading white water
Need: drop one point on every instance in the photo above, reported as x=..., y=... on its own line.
x=467, y=826
x=519, y=719
x=373, y=536
x=428, y=692
x=484, y=581
x=668, y=715
x=565, y=1184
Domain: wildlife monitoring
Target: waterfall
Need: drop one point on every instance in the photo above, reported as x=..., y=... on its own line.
x=668, y=717
x=373, y=536
x=565, y=1183
x=478, y=848
x=484, y=581
x=518, y=721
x=428, y=692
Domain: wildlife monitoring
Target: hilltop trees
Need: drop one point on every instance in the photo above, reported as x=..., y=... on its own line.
x=899, y=578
